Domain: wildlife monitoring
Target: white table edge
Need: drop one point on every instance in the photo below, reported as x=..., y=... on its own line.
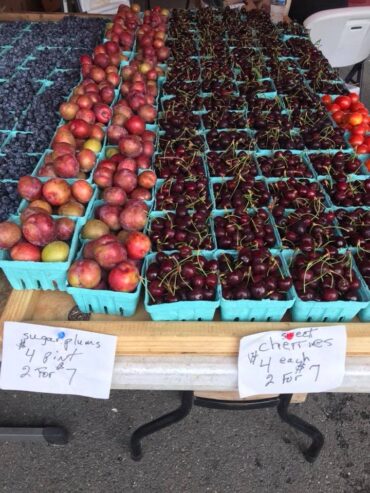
x=209, y=373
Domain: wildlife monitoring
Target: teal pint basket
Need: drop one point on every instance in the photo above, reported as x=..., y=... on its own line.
x=39, y=275
x=364, y=314
x=163, y=213
x=104, y=300
x=180, y=310
x=24, y=203
x=326, y=311
x=256, y=310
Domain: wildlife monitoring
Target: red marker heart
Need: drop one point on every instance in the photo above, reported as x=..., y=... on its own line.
x=289, y=335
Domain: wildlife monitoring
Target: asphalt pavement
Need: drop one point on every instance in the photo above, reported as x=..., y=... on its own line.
x=210, y=451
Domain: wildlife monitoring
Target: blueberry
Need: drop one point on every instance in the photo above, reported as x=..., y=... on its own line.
x=9, y=199
x=55, y=48
x=15, y=165
x=32, y=143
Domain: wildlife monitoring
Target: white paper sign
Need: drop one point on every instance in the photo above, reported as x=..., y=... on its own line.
x=39, y=358
x=311, y=359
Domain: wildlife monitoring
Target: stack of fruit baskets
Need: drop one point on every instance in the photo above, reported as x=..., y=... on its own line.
x=220, y=183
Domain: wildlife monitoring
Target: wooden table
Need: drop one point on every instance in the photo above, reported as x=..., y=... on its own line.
x=176, y=355
x=186, y=356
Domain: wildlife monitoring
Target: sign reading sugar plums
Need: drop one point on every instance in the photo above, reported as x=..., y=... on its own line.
x=39, y=358
x=311, y=359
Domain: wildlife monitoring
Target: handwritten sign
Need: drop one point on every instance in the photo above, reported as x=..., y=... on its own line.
x=39, y=358
x=311, y=359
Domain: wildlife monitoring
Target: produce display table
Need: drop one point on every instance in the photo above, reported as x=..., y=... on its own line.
x=198, y=356
x=192, y=357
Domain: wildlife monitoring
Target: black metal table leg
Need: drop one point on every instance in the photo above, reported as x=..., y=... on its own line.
x=317, y=437
x=168, y=419
x=236, y=405
x=355, y=75
x=361, y=76
x=282, y=403
x=52, y=435
x=355, y=72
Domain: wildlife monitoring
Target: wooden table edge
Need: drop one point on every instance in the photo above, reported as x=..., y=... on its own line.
x=150, y=338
